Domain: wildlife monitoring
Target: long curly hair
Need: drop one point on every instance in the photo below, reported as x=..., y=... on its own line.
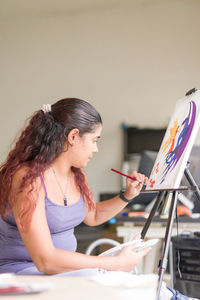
x=39, y=144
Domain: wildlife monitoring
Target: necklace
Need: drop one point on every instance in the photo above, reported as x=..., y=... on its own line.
x=64, y=193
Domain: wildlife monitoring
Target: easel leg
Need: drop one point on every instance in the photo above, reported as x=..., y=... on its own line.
x=192, y=182
x=163, y=261
x=152, y=213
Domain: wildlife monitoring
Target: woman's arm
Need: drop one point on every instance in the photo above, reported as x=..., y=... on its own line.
x=50, y=260
x=105, y=210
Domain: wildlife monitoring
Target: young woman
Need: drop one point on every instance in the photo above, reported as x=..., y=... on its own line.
x=44, y=194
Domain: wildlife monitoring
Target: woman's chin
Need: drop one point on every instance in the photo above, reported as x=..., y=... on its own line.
x=80, y=165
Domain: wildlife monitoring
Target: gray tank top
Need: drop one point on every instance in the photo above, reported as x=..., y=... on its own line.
x=61, y=221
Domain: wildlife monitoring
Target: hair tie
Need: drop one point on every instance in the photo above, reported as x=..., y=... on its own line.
x=46, y=108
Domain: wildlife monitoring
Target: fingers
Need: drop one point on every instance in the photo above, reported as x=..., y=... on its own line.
x=140, y=177
x=145, y=251
x=130, y=258
x=137, y=236
x=141, y=252
x=133, y=187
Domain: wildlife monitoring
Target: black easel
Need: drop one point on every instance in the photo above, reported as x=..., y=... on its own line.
x=159, y=204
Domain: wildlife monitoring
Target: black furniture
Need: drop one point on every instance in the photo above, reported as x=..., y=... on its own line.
x=137, y=140
x=186, y=264
x=86, y=235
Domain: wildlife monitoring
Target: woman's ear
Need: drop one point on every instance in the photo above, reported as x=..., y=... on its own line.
x=73, y=136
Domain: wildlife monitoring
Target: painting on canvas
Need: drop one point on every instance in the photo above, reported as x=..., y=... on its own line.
x=177, y=144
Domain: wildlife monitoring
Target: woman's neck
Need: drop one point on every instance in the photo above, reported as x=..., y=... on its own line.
x=62, y=166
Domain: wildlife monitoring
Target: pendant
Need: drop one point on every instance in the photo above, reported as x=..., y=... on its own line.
x=65, y=201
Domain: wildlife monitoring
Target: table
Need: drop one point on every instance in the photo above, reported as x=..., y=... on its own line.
x=127, y=228
x=76, y=288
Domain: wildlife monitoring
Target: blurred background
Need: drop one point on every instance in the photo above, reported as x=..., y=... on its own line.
x=131, y=59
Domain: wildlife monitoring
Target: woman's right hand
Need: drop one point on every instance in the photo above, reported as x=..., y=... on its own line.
x=128, y=259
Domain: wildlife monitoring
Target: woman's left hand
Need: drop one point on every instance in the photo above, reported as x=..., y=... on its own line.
x=133, y=187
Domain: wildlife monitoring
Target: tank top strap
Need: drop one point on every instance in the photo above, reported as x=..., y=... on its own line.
x=44, y=186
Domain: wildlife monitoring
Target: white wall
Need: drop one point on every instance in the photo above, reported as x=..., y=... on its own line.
x=131, y=59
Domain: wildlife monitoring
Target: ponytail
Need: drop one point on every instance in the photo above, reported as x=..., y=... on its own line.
x=39, y=144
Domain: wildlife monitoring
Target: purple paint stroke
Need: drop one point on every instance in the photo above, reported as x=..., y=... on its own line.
x=174, y=156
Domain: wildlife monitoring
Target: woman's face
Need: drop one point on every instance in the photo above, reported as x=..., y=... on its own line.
x=84, y=147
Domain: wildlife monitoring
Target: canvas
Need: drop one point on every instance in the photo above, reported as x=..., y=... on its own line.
x=177, y=143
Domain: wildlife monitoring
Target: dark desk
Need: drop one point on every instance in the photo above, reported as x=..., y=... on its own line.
x=156, y=219
x=127, y=227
